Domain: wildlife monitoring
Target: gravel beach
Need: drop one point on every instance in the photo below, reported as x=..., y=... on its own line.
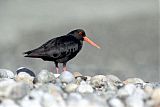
x=46, y=89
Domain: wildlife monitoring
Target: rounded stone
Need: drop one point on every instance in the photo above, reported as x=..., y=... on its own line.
x=66, y=77
x=84, y=88
x=113, y=82
x=24, y=77
x=112, y=78
x=133, y=81
x=98, y=81
x=148, y=89
x=5, y=73
x=45, y=77
x=8, y=103
x=77, y=74
x=156, y=96
x=115, y=102
x=74, y=97
x=71, y=87
x=153, y=84
x=26, y=70
x=133, y=101
x=13, y=90
x=126, y=91
x=18, y=90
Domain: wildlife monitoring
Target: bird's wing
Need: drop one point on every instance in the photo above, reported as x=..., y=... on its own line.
x=40, y=51
x=63, y=46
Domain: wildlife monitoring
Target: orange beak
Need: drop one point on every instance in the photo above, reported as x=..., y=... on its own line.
x=91, y=42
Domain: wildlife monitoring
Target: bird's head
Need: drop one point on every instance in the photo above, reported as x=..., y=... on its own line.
x=80, y=35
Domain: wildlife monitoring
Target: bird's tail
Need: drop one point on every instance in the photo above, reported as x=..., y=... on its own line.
x=33, y=53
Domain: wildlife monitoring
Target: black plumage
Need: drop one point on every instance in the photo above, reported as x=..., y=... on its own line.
x=60, y=49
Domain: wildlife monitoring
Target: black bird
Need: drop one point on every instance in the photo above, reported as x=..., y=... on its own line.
x=61, y=49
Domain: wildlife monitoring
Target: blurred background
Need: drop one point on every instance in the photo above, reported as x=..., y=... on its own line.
x=126, y=30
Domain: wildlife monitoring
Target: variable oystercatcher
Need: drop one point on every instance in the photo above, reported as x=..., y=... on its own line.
x=61, y=49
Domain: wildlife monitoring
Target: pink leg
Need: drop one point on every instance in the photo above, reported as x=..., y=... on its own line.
x=64, y=67
x=57, y=68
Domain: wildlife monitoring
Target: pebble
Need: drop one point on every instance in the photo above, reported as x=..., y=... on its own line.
x=126, y=91
x=8, y=103
x=153, y=84
x=75, y=97
x=71, y=87
x=98, y=81
x=156, y=96
x=66, y=77
x=24, y=77
x=26, y=70
x=133, y=101
x=133, y=81
x=77, y=74
x=67, y=90
x=114, y=82
x=115, y=102
x=148, y=89
x=5, y=84
x=45, y=77
x=13, y=90
x=4, y=73
x=84, y=88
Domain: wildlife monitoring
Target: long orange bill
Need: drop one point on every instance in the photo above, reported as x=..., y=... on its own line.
x=91, y=42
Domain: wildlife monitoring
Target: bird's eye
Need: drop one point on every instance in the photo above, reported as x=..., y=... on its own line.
x=80, y=33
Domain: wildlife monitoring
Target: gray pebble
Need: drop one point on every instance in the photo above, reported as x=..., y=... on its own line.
x=153, y=84
x=66, y=77
x=133, y=81
x=127, y=90
x=71, y=87
x=74, y=97
x=8, y=103
x=115, y=102
x=24, y=77
x=13, y=90
x=45, y=77
x=113, y=82
x=84, y=88
x=98, y=81
x=5, y=73
x=156, y=96
x=133, y=101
